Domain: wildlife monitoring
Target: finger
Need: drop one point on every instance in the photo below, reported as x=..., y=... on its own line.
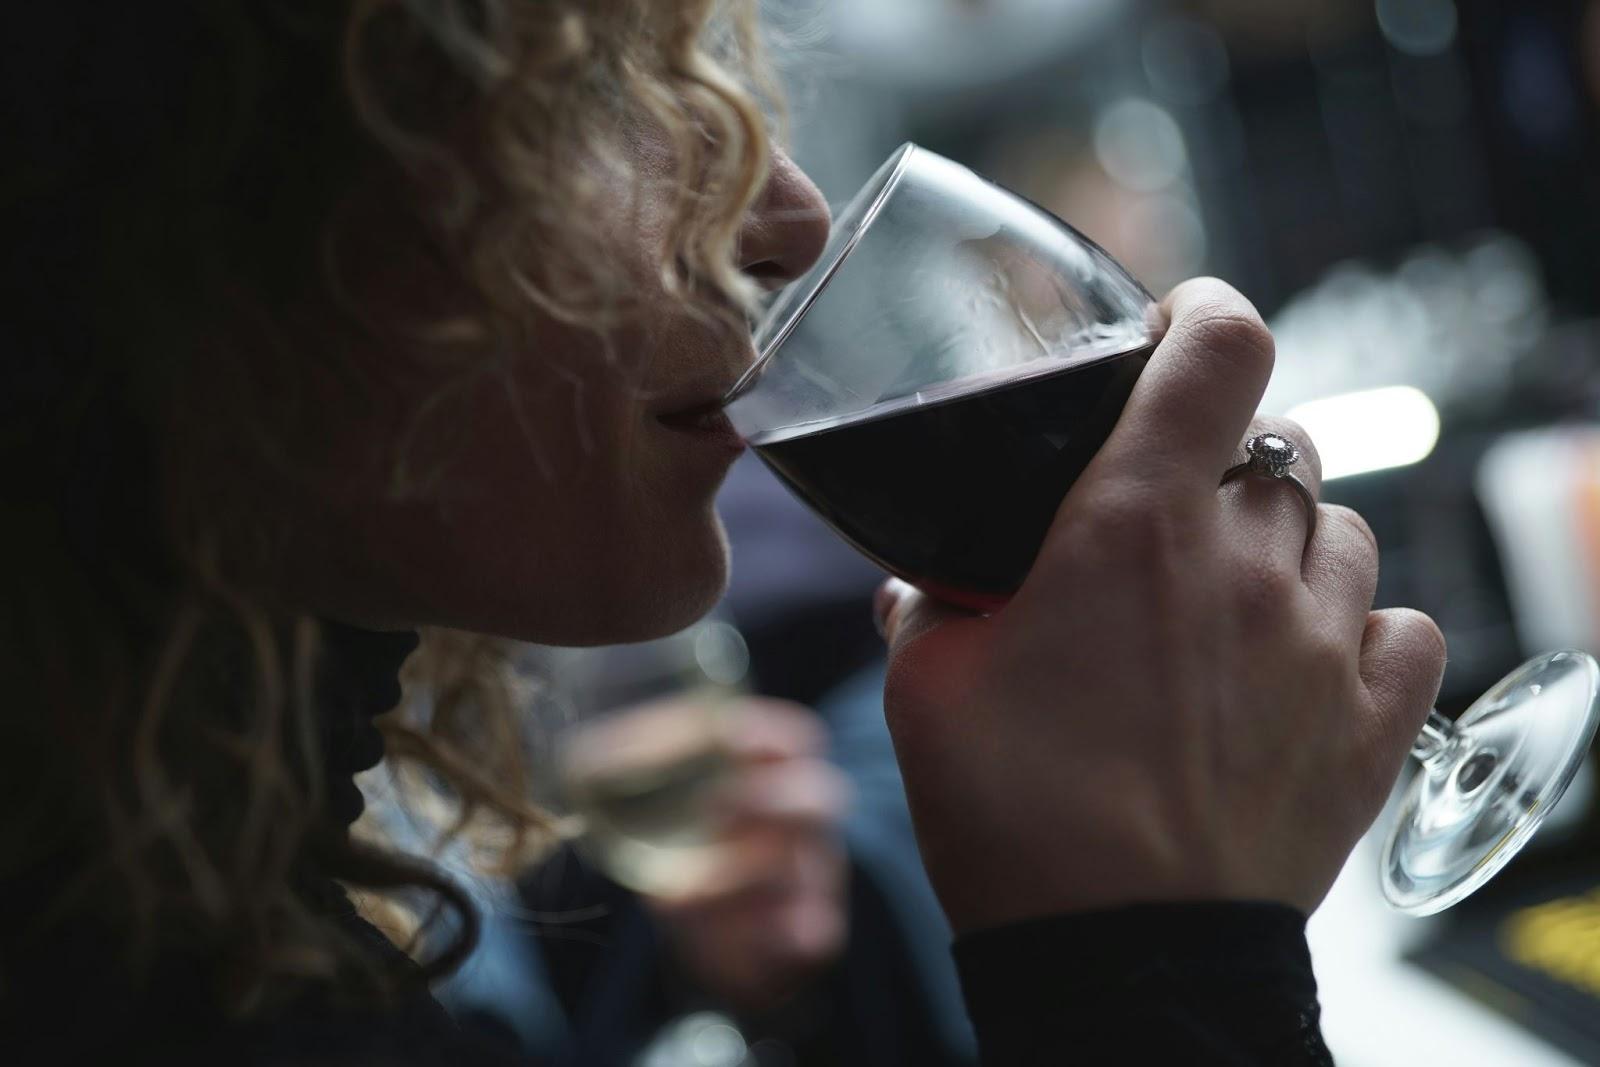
x=795, y=795
x=1265, y=513
x=1402, y=663
x=813, y=925
x=1341, y=569
x=764, y=729
x=645, y=735
x=804, y=875
x=903, y=613
x=1192, y=404
x=754, y=864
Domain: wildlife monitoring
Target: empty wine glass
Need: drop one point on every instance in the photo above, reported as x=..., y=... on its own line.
x=935, y=384
x=1487, y=781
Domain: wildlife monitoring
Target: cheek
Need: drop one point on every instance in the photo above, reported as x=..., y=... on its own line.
x=602, y=530
x=559, y=514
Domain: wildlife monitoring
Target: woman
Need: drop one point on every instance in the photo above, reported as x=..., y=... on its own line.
x=336, y=319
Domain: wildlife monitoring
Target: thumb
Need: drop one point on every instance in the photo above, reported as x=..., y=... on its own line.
x=904, y=614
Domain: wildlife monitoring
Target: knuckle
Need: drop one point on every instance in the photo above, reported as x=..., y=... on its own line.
x=1229, y=329
x=1344, y=518
x=1264, y=591
x=1352, y=541
x=1424, y=640
x=1407, y=638
x=1408, y=665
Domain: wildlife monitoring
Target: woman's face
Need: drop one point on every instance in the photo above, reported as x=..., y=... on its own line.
x=572, y=508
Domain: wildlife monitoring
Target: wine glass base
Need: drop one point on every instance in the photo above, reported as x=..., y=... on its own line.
x=1471, y=807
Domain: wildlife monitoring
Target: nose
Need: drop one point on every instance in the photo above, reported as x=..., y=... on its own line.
x=786, y=228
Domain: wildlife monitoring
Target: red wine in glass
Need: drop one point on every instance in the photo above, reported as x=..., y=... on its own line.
x=937, y=382
x=954, y=490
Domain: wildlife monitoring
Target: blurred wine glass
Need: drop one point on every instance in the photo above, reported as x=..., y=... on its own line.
x=646, y=753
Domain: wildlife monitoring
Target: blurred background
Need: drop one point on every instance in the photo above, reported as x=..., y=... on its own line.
x=1409, y=190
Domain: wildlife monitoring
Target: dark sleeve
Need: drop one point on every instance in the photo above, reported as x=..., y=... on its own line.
x=1206, y=983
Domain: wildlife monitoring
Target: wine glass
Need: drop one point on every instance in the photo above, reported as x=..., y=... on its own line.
x=949, y=367
x=935, y=384
x=1487, y=780
x=643, y=762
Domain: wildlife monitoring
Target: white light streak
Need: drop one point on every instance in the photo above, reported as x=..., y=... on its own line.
x=1371, y=430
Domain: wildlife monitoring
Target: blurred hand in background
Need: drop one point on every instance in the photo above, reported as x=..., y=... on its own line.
x=766, y=906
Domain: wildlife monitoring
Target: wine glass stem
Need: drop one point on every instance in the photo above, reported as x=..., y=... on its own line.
x=1436, y=739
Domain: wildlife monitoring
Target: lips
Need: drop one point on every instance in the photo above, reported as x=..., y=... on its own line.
x=705, y=421
x=703, y=418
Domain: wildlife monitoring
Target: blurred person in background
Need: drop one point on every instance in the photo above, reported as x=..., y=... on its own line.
x=745, y=900
x=807, y=961
x=822, y=943
x=818, y=940
x=331, y=323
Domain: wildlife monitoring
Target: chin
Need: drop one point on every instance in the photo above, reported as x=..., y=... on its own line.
x=666, y=584
x=623, y=578
x=684, y=590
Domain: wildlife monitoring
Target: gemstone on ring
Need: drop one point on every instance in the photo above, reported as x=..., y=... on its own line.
x=1272, y=454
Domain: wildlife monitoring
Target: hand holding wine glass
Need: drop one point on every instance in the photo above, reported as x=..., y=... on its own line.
x=721, y=811
x=774, y=911
x=958, y=360
x=1185, y=699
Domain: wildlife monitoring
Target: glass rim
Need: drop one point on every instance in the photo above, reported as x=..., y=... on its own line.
x=899, y=161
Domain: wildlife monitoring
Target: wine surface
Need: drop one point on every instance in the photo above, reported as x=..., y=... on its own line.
x=955, y=495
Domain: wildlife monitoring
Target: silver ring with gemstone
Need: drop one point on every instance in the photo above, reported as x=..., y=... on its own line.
x=1271, y=456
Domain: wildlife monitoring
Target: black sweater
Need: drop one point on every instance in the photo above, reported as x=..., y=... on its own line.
x=1221, y=983
x=1216, y=983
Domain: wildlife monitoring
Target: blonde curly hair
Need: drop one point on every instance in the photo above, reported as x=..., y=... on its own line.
x=200, y=210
